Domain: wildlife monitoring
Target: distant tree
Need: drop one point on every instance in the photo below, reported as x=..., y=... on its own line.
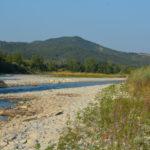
x=52, y=66
x=90, y=65
x=73, y=65
x=14, y=58
x=116, y=68
x=2, y=57
x=17, y=58
x=8, y=58
x=127, y=69
x=109, y=68
x=37, y=63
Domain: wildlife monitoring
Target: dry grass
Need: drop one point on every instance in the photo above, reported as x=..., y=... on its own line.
x=139, y=82
x=87, y=75
x=112, y=123
x=119, y=120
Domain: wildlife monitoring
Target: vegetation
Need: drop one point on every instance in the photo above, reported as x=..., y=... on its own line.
x=66, y=54
x=86, y=74
x=64, y=48
x=139, y=82
x=119, y=120
x=16, y=63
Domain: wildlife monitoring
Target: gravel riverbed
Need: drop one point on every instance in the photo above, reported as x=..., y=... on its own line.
x=45, y=112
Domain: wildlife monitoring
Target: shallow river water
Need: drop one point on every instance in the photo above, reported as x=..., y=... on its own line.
x=5, y=104
x=50, y=86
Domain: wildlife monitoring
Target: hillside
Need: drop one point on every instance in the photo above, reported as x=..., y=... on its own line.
x=74, y=47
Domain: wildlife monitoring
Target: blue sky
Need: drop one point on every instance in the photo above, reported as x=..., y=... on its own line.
x=118, y=24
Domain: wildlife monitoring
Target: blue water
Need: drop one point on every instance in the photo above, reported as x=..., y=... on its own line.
x=5, y=104
x=3, y=118
x=56, y=86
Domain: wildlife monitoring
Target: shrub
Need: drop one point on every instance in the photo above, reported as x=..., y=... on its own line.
x=115, y=122
x=119, y=120
x=139, y=82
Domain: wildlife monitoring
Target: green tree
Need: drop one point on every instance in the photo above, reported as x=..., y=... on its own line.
x=73, y=65
x=14, y=58
x=52, y=66
x=37, y=63
x=90, y=65
x=2, y=57
x=17, y=58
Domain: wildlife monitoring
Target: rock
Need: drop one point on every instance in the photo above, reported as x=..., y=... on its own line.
x=59, y=113
x=3, y=144
x=24, y=141
x=13, y=137
x=2, y=84
x=23, y=107
x=8, y=112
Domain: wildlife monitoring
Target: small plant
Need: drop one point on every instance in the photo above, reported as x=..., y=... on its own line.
x=37, y=146
x=49, y=148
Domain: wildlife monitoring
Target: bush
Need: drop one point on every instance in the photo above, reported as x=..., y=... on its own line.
x=120, y=123
x=139, y=82
x=117, y=121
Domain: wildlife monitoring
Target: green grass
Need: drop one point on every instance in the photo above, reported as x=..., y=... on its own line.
x=119, y=120
x=87, y=75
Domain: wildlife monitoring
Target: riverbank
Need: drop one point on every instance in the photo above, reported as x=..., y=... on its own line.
x=87, y=75
x=12, y=80
x=120, y=119
x=45, y=113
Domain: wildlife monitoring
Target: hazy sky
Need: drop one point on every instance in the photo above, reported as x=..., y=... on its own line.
x=119, y=24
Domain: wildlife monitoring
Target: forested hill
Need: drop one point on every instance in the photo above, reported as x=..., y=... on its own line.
x=73, y=48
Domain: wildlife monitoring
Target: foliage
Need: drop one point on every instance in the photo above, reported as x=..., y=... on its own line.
x=52, y=66
x=86, y=74
x=37, y=63
x=16, y=63
x=77, y=48
x=90, y=65
x=14, y=58
x=139, y=81
x=118, y=119
x=37, y=146
x=74, y=65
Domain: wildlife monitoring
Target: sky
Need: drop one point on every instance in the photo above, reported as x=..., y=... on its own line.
x=119, y=24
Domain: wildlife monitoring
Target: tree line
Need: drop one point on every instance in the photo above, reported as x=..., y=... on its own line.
x=16, y=63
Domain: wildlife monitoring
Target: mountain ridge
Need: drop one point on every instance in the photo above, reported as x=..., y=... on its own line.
x=75, y=47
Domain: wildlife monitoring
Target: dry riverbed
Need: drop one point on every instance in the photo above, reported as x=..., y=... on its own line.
x=43, y=114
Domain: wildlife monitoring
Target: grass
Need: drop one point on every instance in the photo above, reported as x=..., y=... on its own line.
x=119, y=120
x=139, y=82
x=87, y=75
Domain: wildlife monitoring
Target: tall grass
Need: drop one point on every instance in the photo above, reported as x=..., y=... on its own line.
x=139, y=82
x=119, y=120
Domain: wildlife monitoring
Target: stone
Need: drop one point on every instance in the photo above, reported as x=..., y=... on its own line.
x=59, y=113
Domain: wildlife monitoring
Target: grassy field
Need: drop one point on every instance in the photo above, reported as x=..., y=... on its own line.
x=86, y=75
x=119, y=120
